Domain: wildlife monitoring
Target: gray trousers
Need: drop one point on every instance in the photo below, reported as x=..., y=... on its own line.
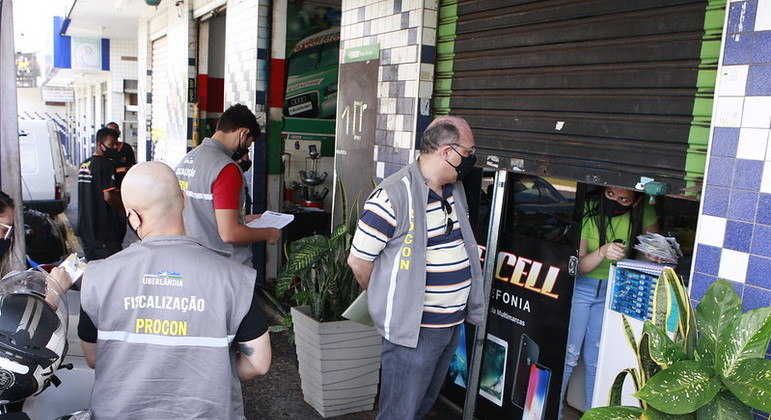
x=411, y=378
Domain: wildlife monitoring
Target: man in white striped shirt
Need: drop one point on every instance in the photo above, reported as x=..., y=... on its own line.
x=413, y=374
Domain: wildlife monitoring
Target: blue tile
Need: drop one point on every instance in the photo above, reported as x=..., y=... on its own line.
x=738, y=49
x=724, y=141
x=764, y=210
x=720, y=172
x=742, y=205
x=708, y=259
x=700, y=284
x=755, y=297
x=759, y=272
x=741, y=17
x=748, y=174
x=738, y=236
x=759, y=80
x=760, y=52
x=427, y=54
x=715, y=201
x=761, y=241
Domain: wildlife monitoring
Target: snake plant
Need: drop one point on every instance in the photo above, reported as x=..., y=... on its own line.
x=714, y=368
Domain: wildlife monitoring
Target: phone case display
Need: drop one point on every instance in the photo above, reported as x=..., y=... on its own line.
x=633, y=293
x=630, y=294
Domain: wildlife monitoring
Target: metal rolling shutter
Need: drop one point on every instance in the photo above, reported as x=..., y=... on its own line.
x=160, y=95
x=600, y=91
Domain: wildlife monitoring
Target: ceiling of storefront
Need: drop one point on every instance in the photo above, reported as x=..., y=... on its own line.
x=113, y=19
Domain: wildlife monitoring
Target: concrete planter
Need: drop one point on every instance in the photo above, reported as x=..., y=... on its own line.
x=339, y=363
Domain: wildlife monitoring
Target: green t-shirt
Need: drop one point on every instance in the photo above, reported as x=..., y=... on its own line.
x=616, y=228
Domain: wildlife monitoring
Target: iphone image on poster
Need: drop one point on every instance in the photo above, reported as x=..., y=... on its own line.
x=493, y=375
x=537, y=390
x=528, y=354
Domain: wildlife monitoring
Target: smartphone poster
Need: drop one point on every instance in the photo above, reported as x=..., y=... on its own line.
x=493, y=375
x=527, y=326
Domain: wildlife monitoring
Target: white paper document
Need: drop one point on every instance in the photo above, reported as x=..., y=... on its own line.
x=271, y=219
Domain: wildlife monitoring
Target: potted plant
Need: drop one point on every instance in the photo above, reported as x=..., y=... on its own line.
x=338, y=360
x=714, y=368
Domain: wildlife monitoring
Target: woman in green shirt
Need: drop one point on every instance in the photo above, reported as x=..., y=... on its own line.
x=611, y=224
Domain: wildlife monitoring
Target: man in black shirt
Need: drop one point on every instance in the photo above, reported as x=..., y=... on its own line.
x=121, y=153
x=101, y=226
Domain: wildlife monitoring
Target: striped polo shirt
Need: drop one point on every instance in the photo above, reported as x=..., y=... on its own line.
x=448, y=271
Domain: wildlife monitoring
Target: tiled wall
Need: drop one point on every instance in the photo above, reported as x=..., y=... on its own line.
x=735, y=225
x=123, y=66
x=406, y=32
x=246, y=43
x=734, y=238
x=180, y=30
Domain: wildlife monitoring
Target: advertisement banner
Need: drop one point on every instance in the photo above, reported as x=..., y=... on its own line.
x=527, y=330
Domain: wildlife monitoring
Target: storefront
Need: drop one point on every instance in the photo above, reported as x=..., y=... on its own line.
x=564, y=100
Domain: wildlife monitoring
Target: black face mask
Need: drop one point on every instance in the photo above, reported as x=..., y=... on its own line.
x=109, y=152
x=239, y=153
x=612, y=208
x=5, y=245
x=465, y=165
x=245, y=165
x=136, y=231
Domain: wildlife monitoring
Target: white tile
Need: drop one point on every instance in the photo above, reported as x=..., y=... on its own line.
x=733, y=80
x=408, y=71
x=711, y=230
x=380, y=169
x=427, y=72
x=390, y=122
x=429, y=36
x=752, y=143
x=763, y=16
x=757, y=112
x=430, y=18
x=416, y=17
x=410, y=88
x=729, y=112
x=733, y=265
x=765, y=183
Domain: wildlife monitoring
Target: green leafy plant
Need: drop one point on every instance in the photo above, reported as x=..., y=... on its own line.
x=714, y=368
x=316, y=273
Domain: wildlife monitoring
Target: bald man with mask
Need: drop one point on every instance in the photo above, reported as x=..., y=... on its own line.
x=179, y=317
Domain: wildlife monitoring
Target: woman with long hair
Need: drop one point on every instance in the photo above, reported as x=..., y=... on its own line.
x=612, y=220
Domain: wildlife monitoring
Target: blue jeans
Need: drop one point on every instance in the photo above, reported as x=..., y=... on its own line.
x=585, y=330
x=410, y=379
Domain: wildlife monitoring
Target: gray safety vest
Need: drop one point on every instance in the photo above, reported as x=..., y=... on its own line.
x=397, y=286
x=196, y=173
x=166, y=310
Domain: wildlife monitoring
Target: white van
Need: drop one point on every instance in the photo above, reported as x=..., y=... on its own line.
x=42, y=167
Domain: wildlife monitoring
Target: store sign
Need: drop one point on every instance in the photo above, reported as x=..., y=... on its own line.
x=86, y=53
x=527, y=330
x=57, y=94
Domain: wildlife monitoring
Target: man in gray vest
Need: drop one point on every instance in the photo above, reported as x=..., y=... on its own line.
x=213, y=184
x=169, y=325
x=416, y=255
